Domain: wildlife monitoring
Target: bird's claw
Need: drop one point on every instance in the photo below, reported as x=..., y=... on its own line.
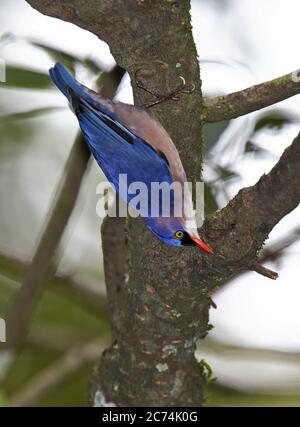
x=174, y=95
x=183, y=85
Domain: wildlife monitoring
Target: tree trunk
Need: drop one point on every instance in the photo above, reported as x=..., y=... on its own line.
x=162, y=309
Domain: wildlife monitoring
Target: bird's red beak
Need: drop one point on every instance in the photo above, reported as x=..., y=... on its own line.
x=202, y=245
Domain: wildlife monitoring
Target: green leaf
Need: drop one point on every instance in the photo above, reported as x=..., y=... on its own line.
x=206, y=372
x=69, y=60
x=92, y=66
x=25, y=78
x=250, y=147
x=24, y=115
x=225, y=174
x=58, y=55
x=212, y=133
x=275, y=120
x=15, y=132
x=210, y=327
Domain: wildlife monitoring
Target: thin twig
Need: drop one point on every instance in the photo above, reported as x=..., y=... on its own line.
x=254, y=98
x=84, y=294
x=20, y=312
x=49, y=379
x=264, y=271
x=51, y=339
x=254, y=212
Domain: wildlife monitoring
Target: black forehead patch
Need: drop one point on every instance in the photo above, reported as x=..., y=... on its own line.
x=187, y=240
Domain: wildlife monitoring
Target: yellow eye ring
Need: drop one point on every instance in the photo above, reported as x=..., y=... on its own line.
x=179, y=234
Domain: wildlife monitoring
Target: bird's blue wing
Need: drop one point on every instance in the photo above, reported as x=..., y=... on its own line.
x=116, y=149
x=66, y=83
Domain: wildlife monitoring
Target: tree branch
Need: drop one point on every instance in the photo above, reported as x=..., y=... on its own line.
x=115, y=266
x=264, y=271
x=254, y=98
x=49, y=379
x=20, y=312
x=83, y=293
x=240, y=229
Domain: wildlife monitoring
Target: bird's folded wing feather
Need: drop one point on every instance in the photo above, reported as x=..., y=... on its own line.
x=124, y=139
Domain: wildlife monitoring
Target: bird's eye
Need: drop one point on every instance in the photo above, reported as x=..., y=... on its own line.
x=179, y=234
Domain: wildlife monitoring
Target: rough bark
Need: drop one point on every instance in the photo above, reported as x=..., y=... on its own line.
x=160, y=312
x=254, y=98
x=240, y=229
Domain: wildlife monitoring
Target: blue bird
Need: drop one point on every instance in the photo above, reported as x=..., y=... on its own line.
x=125, y=139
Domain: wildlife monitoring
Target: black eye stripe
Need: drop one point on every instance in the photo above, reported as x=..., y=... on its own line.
x=185, y=238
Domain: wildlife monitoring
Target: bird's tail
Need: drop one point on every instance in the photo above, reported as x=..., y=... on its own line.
x=64, y=80
x=75, y=91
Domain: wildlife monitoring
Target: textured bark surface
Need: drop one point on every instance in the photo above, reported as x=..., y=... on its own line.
x=254, y=98
x=160, y=298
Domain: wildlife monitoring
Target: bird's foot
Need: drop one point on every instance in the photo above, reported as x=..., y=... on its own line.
x=174, y=95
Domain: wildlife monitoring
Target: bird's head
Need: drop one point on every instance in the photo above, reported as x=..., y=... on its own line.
x=174, y=233
x=183, y=238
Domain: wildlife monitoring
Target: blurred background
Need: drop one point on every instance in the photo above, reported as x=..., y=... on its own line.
x=253, y=348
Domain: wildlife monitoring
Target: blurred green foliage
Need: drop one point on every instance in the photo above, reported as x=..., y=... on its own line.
x=64, y=318
x=26, y=79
